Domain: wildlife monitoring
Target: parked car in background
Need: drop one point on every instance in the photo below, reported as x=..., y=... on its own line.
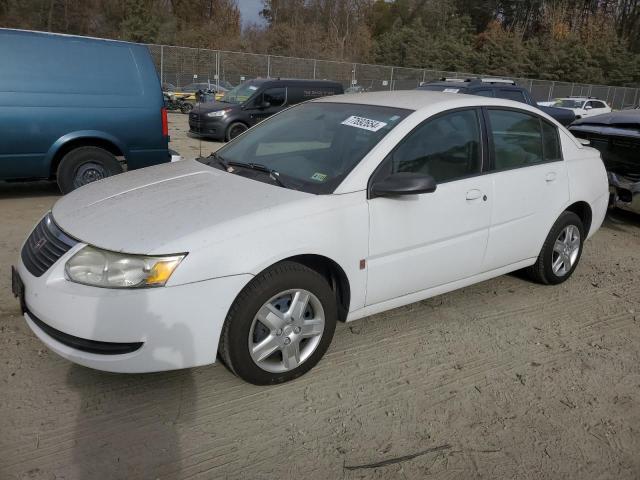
x=333, y=210
x=497, y=88
x=190, y=92
x=583, y=106
x=355, y=89
x=617, y=136
x=77, y=109
x=251, y=102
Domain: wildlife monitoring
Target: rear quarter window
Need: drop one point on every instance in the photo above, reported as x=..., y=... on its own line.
x=64, y=65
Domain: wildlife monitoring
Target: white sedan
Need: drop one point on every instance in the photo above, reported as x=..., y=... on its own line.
x=583, y=106
x=332, y=210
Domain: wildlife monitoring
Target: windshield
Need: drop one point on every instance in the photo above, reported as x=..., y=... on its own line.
x=239, y=93
x=313, y=146
x=568, y=103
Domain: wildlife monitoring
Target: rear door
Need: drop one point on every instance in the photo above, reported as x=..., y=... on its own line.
x=417, y=242
x=530, y=185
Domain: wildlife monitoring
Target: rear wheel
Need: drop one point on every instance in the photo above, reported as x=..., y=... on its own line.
x=561, y=251
x=280, y=325
x=235, y=129
x=84, y=165
x=186, y=107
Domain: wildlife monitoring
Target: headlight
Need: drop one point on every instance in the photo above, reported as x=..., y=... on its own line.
x=102, y=268
x=218, y=113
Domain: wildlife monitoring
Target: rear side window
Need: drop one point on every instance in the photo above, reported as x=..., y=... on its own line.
x=485, y=92
x=517, y=139
x=516, y=95
x=52, y=64
x=446, y=147
x=551, y=142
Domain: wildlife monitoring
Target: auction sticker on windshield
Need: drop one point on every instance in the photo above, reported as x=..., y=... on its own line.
x=364, y=123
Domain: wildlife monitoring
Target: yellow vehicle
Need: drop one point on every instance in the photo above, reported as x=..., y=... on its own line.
x=189, y=92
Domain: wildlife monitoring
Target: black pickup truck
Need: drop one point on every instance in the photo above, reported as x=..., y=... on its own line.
x=499, y=88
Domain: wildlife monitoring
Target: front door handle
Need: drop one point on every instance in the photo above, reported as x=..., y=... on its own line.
x=474, y=194
x=551, y=176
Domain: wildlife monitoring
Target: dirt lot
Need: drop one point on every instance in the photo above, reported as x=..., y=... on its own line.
x=505, y=379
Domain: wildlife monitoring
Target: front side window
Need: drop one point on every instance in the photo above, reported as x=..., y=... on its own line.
x=485, y=92
x=595, y=104
x=274, y=96
x=568, y=103
x=517, y=139
x=515, y=95
x=446, y=147
x=312, y=146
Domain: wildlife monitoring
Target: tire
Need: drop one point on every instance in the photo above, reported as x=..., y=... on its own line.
x=186, y=107
x=243, y=331
x=235, y=129
x=549, y=268
x=85, y=165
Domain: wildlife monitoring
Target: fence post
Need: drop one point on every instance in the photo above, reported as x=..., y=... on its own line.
x=268, y=66
x=314, y=68
x=391, y=80
x=217, y=70
x=424, y=76
x=161, y=63
x=553, y=85
x=635, y=98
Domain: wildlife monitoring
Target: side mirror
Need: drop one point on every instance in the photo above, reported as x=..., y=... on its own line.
x=403, y=183
x=265, y=105
x=588, y=107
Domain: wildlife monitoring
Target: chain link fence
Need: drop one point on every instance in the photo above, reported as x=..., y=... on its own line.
x=181, y=66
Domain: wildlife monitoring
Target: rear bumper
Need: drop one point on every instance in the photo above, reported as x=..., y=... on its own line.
x=146, y=158
x=625, y=193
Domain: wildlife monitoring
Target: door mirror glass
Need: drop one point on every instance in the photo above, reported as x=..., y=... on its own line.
x=588, y=107
x=265, y=104
x=404, y=183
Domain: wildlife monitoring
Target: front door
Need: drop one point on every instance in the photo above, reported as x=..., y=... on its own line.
x=271, y=101
x=417, y=242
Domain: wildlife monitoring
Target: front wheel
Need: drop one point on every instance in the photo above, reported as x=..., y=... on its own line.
x=561, y=251
x=186, y=107
x=280, y=325
x=84, y=165
x=235, y=129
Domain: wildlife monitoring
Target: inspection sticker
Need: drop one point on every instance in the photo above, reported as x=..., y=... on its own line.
x=364, y=123
x=451, y=90
x=252, y=87
x=320, y=177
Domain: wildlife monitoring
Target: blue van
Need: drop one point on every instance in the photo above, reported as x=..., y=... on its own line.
x=77, y=109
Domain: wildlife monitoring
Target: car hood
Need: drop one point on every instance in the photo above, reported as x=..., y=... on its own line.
x=164, y=209
x=212, y=107
x=623, y=118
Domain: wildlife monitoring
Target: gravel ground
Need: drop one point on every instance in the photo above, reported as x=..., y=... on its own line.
x=504, y=379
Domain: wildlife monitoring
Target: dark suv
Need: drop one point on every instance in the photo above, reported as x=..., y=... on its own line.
x=498, y=88
x=250, y=102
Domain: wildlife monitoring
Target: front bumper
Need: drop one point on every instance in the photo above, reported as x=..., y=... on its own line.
x=625, y=192
x=203, y=126
x=170, y=327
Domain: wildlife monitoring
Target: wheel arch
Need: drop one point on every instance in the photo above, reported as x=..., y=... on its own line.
x=82, y=139
x=584, y=211
x=333, y=272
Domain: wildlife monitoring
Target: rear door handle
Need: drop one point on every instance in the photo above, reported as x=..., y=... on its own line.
x=551, y=176
x=474, y=194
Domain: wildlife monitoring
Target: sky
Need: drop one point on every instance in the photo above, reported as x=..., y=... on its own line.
x=250, y=11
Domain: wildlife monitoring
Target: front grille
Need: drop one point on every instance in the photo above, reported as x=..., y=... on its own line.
x=46, y=244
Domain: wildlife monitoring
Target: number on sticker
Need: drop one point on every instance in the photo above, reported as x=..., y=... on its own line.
x=364, y=123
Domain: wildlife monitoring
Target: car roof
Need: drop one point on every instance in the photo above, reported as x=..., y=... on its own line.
x=293, y=81
x=423, y=99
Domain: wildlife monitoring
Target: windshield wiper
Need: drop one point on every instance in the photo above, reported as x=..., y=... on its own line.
x=273, y=174
x=217, y=159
